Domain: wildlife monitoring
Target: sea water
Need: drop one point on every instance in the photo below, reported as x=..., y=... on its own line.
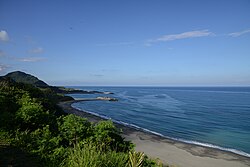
x=216, y=117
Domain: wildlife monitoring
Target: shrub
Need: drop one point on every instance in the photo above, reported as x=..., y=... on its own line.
x=88, y=155
x=108, y=136
x=136, y=159
x=74, y=128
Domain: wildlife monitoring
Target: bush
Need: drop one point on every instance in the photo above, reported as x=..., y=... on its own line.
x=74, y=128
x=31, y=114
x=108, y=136
x=47, y=146
x=91, y=155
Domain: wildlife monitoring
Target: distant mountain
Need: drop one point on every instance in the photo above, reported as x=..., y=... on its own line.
x=31, y=84
x=22, y=77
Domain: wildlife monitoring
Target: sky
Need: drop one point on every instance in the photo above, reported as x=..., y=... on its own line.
x=127, y=43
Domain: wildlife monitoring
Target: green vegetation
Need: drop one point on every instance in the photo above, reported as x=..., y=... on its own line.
x=93, y=155
x=33, y=128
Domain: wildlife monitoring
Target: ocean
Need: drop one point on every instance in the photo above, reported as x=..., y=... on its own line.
x=217, y=117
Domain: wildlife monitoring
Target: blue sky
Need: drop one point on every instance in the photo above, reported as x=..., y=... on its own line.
x=128, y=43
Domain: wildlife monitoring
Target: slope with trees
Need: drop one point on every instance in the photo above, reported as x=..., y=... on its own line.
x=32, y=123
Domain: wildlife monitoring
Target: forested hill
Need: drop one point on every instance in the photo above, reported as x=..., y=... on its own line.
x=22, y=77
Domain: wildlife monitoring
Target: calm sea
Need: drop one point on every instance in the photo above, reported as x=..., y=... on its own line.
x=211, y=116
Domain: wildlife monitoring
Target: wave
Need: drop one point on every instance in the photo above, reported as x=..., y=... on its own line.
x=209, y=91
x=235, y=151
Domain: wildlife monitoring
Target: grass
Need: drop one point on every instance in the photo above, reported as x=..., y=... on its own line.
x=89, y=155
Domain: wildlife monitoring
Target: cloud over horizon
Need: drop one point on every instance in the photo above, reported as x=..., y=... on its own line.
x=4, y=36
x=184, y=35
x=37, y=50
x=31, y=59
x=116, y=44
x=3, y=67
x=236, y=34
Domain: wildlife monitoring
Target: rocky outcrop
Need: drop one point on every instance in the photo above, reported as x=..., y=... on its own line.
x=107, y=98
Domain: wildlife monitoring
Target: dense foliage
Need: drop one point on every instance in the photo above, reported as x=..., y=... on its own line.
x=30, y=120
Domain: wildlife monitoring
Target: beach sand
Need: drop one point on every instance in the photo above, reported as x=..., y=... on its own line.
x=170, y=151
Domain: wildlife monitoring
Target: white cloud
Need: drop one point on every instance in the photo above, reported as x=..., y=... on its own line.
x=36, y=50
x=116, y=44
x=4, y=36
x=236, y=34
x=3, y=67
x=184, y=35
x=31, y=59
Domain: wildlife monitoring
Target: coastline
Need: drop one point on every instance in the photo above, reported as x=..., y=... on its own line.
x=167, y=150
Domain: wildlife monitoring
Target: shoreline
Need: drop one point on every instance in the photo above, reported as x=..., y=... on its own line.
x=169, y=150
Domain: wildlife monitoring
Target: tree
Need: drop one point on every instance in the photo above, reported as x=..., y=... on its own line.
x=107, y=135
x=31, y=114
x=74, y=128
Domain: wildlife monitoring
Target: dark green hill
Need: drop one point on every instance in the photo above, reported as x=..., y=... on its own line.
x=22, y=77
x=6, y=82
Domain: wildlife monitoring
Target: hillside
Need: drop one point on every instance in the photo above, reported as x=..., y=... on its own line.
x=22, y=77
x=35, y=132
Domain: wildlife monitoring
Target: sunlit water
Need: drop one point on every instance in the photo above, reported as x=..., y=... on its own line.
x=214, y=117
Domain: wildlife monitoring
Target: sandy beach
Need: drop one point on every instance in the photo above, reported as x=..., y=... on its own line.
x=170, y=151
